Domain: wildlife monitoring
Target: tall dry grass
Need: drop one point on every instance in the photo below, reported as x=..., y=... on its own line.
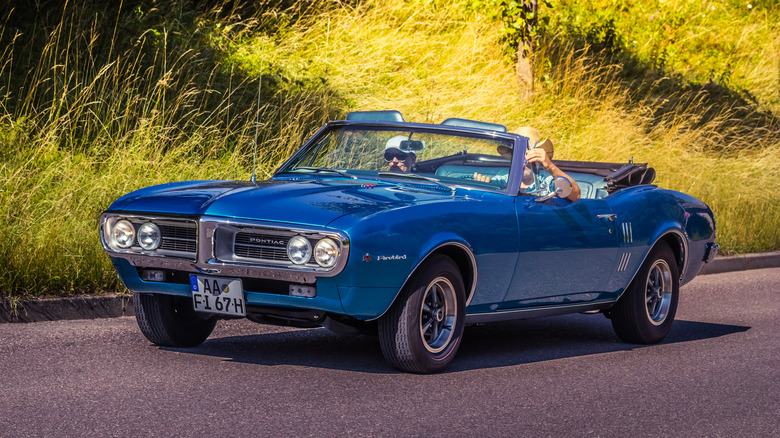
x=173, y=105
x=431, y=61
x=77, y=132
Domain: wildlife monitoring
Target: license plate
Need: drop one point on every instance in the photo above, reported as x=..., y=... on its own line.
x=218, y=295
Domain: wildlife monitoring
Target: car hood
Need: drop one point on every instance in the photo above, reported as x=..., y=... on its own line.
x=314, y=202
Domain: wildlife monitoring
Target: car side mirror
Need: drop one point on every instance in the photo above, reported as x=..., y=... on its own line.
x=561, y=187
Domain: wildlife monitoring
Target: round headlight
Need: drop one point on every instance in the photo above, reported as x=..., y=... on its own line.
x=326, y=252
x=123, y=234
x=299, y=250
x=149, y=236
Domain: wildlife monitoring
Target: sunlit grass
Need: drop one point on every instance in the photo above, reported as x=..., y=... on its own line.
x=433, y=62
x=82, y=133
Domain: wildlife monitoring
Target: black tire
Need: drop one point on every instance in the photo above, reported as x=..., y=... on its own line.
x=422, y=330
x=645, y=312
x=170, y=321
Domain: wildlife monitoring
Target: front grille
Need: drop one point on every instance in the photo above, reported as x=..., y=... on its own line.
x=265, y=246
x=261, y=246
x=179, y=238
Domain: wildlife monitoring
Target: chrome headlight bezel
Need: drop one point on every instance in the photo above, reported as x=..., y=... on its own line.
x=122, y=234
x=326, y=252
x=149, y=236
x=299, y=250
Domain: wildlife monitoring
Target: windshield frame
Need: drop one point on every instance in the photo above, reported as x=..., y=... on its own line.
x=515, y=173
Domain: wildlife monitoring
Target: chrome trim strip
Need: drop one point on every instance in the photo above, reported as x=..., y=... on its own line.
x=536, y=312
x=474, y=270
x=142, y=261
x=684, y=254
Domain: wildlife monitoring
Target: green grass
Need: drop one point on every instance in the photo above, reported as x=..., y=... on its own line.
x=97, y=102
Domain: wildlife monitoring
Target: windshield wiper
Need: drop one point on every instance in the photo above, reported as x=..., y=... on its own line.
x=323, y=169
x=415, y=176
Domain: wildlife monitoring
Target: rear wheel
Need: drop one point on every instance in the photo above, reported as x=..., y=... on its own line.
x=422, y=330
x=645, y=312
x=171, y=321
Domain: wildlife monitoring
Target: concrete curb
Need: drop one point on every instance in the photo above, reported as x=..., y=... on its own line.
x=54, y=309
x=742, y=263
x=109, y=306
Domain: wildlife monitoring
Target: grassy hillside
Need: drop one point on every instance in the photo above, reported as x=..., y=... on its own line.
x=97, y=101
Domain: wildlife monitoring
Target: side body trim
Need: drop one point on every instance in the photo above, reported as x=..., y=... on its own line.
x=536, y=312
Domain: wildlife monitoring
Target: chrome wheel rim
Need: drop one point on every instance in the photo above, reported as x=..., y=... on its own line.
x=658, y=292
x=438, y=315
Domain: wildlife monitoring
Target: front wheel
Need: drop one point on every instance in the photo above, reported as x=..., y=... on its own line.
x=422, y=330
x=645, y=312
x=171, y=321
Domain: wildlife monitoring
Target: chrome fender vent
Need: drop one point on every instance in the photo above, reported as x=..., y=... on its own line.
x=624, y=261
x=628, y=233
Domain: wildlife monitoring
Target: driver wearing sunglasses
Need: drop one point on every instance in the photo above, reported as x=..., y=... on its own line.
x=397, y=159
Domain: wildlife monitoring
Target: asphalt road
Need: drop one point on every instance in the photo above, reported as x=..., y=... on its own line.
x=717, y=374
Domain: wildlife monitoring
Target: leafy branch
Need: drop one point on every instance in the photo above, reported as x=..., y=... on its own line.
x=519, y=33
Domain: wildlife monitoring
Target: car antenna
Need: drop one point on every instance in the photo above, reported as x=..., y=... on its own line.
x=257, y=120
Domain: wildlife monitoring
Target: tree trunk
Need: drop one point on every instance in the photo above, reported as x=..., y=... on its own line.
x=525, y=50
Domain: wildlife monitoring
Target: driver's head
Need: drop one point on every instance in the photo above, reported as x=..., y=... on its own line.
x=534, y=140
x=398, y=160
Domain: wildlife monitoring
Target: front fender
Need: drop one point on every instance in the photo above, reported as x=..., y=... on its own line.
x=645, y=216
x=386, y=249
x=371, y=303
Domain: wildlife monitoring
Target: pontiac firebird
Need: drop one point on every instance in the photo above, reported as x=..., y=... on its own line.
x=335, y=238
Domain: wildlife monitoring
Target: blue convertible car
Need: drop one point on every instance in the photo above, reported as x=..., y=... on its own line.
x=377, y=224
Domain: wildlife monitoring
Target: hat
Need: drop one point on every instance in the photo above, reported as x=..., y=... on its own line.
x=395, y=143
x=533, y=141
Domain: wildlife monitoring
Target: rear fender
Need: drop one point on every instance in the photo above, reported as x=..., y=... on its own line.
x=675, y=237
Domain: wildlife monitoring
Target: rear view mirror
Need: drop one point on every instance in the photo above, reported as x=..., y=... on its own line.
x=412, y=145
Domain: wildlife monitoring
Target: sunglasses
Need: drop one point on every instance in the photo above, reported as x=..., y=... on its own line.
x=401, y=156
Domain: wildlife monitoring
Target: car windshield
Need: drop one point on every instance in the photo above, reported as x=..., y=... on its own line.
x=419, y=154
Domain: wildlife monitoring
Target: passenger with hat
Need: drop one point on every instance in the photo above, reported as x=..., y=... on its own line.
x=539, y=152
